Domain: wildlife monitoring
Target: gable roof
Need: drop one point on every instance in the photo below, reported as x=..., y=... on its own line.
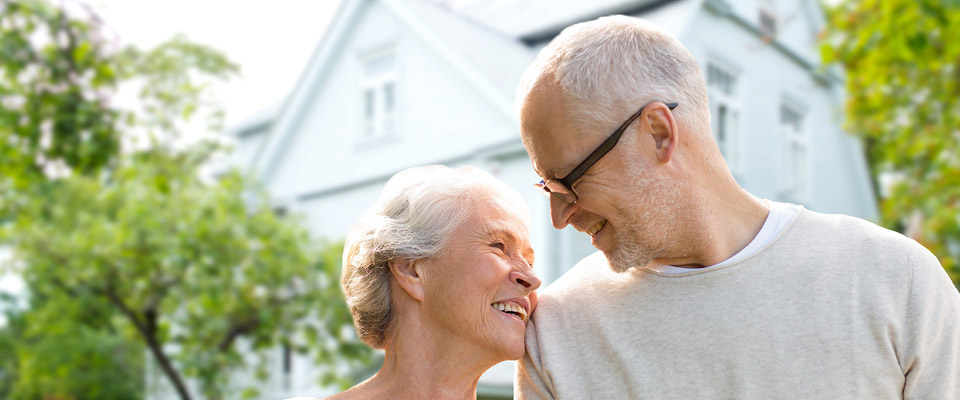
x=489, y=42
x=489, y=61
x=533, y=21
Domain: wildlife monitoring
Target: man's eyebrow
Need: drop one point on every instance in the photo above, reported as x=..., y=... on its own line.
x=550, y=174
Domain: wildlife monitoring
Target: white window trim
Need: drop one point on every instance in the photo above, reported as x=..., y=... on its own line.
x=799, y=137
x=380, y=136
x=733, y=146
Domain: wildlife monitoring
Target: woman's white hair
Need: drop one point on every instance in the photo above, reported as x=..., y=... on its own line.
x=613, y=65
x=413, y=219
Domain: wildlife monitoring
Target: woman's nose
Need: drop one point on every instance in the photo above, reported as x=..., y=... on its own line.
x=528, y=279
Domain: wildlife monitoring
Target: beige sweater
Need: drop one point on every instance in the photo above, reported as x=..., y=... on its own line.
x=833, y=308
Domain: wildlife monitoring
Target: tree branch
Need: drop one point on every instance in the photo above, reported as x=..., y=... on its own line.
x=148, y=329
x=235, y=331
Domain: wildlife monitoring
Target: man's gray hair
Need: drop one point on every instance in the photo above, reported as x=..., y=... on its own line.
x=413, y=219
x=612, y=66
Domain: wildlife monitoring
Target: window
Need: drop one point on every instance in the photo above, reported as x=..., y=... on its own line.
x=795, y=160
x=725, y=110
x=378, y=92
x=768, y=18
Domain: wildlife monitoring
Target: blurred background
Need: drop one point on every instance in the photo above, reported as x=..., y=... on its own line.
x=176, y=177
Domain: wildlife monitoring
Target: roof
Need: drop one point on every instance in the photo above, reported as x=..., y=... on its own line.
x=498, y=59
x=539, y=20
x=490, y=42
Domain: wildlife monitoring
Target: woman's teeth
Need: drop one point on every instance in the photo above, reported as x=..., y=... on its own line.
x=596, y=227
x=511, y=309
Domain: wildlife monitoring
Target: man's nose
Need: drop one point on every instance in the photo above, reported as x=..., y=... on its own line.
x=560, y=212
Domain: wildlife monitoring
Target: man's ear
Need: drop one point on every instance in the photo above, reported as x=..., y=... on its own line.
x=660, y=124
x=409, y=276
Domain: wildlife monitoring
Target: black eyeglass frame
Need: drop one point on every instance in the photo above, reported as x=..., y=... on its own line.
x=592, y=159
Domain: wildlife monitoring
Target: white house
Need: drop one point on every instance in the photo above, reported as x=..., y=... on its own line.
x=400, y=83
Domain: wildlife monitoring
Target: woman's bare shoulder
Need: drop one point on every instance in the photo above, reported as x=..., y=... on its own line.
x=350, y=394
x=338, y=396
x=360, y=391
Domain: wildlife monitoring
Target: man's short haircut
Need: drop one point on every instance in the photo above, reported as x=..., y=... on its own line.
x=413, y=219
x=612, y=66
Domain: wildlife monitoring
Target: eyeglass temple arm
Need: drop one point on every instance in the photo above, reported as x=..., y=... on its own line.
x=605, y=147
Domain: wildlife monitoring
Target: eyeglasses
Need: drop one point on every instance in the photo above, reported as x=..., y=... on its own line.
x=563, y=188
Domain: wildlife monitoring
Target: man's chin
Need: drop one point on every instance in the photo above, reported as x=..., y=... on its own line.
x=618, y=263
x=622, y=260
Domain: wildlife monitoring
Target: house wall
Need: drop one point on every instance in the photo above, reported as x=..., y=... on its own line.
x=245, y=148
x=769, y=79
x=440, y=116
x=798, y=22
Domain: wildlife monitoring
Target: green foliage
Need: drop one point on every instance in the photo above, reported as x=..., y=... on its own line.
x=46, y=353
x=124, y=249
x=11, y=339
x=54, y=75
x=187, y=263
x=173, y=79
x=78, y=364
x=902, y=59
x=58, y=76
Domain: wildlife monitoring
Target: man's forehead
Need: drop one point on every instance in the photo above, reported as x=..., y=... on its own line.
x=546, y=128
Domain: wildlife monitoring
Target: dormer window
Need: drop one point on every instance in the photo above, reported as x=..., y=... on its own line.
x=768, y=18
x=378, y=92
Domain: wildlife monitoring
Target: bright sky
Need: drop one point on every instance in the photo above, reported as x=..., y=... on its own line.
x=271, y=41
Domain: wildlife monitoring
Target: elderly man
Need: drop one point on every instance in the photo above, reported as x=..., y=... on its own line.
x=703, y=291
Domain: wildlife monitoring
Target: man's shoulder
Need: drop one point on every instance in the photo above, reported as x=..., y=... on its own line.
x=587, y=272
x=572, y=295
x=853, y=240
x=853, y=231
x=578, y=289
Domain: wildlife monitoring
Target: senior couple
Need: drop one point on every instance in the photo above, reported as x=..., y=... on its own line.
x=700, y=290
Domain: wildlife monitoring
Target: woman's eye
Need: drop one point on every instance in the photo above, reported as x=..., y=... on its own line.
x=499, y=246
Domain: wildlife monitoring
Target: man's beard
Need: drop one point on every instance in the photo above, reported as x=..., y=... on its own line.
x=630, y=253
x=645, y=236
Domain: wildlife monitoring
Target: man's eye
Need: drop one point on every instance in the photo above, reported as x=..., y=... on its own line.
x=498, y=245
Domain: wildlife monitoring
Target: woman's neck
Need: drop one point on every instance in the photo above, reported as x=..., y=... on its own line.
x=422, y=364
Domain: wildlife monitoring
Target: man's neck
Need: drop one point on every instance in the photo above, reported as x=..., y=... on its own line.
x=719, y=225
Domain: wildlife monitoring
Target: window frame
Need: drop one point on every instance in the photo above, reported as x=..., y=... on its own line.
x=796, y=182
x=767, y=19
x=384, y=124
x=732, y=143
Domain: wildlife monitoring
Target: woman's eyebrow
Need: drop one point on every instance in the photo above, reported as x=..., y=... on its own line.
x=492, y=230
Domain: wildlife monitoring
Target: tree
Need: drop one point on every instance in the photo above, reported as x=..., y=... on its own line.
x=189, y=265
x=902, y=61
x=123, y=246
x=59, y=75
x=56, y=357
x=54, y=75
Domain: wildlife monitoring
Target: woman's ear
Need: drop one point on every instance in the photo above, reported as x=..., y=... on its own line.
x=409, y=276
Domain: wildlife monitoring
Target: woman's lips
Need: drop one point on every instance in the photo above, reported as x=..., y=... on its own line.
x=513, y=308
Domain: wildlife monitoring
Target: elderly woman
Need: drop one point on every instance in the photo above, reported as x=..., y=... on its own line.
x=438, y=275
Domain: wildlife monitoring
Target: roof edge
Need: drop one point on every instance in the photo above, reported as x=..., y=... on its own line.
x=547, y=34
